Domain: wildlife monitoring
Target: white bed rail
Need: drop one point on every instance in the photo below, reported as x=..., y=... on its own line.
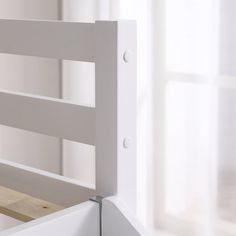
x=111, y=126
x=50, y=116
x=52, y=39
x=80, y=220
x=43, y=185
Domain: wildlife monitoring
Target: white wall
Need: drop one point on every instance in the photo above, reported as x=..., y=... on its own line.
x=33, y=75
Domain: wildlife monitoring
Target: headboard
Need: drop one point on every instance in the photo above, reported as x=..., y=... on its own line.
x=110, y=126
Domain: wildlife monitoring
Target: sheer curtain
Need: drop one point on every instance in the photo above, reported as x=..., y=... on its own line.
x=186, y=111
x=194, y=100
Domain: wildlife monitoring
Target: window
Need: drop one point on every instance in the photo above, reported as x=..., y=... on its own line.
x=195, y=158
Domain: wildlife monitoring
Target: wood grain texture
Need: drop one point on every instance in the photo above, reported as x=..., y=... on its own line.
x=24, y=207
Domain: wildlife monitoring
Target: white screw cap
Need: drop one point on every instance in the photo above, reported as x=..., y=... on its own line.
x=127, y=56
x=127, y=142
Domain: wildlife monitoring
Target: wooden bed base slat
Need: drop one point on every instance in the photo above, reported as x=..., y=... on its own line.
x=24, y=207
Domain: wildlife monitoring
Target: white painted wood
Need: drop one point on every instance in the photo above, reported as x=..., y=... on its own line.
x=48, y=116
x=106, y=108
x=80, y=220
x=53, y=39
x=44, y=185
x=79, y=85
x=127, y=114
x=26, y=9
x=117, y=220
x=116, y=110
x=115, y=142
x=8, y=222
x=34, y=75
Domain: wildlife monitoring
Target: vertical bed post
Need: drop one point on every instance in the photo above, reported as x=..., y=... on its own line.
x=116, y=110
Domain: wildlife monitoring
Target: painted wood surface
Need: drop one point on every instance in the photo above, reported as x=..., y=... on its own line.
x=24, y=207
x=82, y=220
x=52, y=39
x=50, y=116
x=44, y=185
x=116, y=110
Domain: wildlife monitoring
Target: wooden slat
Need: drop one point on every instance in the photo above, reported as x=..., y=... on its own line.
x=24, y=207
x=48, y=116
x=44, y=185
x=53, y=39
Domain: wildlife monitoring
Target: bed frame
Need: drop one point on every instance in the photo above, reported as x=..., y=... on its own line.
x=62, y=206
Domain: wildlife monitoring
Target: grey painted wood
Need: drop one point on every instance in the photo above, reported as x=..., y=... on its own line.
x=33, y=75
x=106, y=108
x=118, y=220
x=48, y=116
x=44, y=185
x=53, y=39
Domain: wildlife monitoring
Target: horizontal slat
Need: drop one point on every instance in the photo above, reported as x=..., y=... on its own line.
x=53, y=39
x=24, y=207
x=82, y=219
x=48, y=116
x=43, y=185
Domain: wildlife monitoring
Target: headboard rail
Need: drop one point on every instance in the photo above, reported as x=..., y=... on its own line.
x=111, y=125
x=50, y=116
x=51, y=39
